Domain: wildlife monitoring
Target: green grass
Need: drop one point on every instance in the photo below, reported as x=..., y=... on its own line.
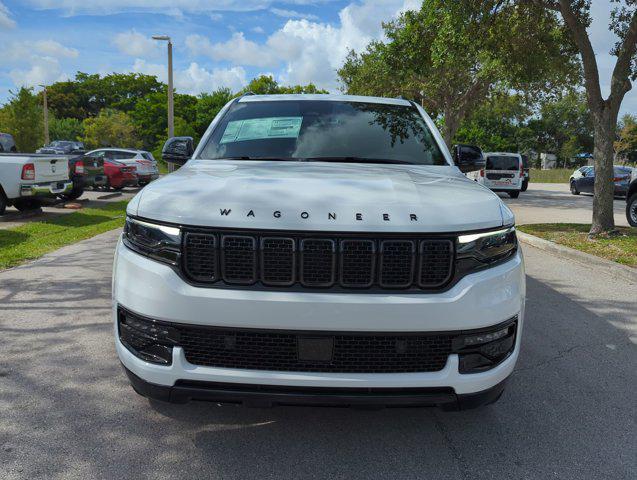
x=557, y=175
x=621, y=249
x=34, y=239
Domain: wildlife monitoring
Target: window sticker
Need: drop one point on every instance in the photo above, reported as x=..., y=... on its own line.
x=262, y=128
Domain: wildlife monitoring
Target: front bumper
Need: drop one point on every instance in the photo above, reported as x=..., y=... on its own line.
x=477, y=301
x=48, y=189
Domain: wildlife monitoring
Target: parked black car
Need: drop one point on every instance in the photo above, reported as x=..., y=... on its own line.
x=64, y=147
x=631, y=200
x=7, y=144
x=85, y=171
x=527, y=173
x=583, y=180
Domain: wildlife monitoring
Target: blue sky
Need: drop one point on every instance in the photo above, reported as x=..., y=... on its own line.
x=217, y=43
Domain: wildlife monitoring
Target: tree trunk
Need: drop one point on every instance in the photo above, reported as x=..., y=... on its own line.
x=452, y=123
x=604, y=126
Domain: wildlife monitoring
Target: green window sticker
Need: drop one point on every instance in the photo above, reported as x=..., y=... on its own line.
x=262, y=128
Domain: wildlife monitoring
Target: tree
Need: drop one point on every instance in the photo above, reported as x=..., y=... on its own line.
x=576, y=17
x=208, y=106
x=110, y=128
x=65, y=128
x=266, y=85
x=626, y=145
x=450, y=55
x=24, y=120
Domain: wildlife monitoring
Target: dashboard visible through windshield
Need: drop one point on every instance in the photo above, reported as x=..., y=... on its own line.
x=309, y=130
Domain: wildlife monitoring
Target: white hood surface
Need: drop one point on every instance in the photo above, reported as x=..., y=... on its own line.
x=319, y=196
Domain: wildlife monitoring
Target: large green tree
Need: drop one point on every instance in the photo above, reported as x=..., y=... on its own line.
x=450, y=54
x=576, y=17
x=111, y=128
x=626, y=144
x=23, y=118
x=65, y=128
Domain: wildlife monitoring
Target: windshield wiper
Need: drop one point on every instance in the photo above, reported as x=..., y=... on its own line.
x=357, y=160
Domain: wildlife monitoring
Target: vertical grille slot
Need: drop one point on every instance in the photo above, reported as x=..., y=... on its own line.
x=239, y=259
x=278, y=265
x=436, y=263
x=358, y=260
x=201, y=257
x=397, y=263
x=318, y=262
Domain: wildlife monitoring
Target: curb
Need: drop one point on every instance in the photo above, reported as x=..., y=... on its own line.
x=610, y=267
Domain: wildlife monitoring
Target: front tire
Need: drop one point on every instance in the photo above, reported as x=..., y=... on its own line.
x=3, y=203
x=514, y=194
x=631, y=210
x=574, y=189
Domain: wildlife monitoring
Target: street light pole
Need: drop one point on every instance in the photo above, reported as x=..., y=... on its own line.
x=46, y=116
x=171, y=104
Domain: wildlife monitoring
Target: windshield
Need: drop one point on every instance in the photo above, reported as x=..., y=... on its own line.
x=323, y=131
x=502, y=162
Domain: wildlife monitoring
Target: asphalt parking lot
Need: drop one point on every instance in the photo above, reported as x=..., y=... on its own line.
x=66, y=410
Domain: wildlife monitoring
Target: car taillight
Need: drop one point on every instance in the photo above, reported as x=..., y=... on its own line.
x=521, y=169
x=482, y=173
x=79, y=166
x=28, y=171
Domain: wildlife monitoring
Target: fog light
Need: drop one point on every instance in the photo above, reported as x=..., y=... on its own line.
x=149, y=340
x=486, y=349
x=485, y=337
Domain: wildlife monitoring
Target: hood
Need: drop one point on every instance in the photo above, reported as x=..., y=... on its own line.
x=319, y=196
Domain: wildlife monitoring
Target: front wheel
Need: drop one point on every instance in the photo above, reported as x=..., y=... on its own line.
x=3, y=203
x=574, y=189
x=514, y=194
x=631, y=210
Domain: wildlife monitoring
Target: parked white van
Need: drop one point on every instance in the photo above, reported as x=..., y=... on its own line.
x=503, y=172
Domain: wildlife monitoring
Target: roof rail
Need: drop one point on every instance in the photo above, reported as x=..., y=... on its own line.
x=247, y=94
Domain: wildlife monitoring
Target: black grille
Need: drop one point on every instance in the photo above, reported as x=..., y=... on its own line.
x=256, y=350
x=347, y=262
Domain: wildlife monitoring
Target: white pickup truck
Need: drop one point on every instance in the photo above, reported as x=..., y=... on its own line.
x=27, y=178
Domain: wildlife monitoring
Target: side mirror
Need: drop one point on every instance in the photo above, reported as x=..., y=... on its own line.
x=468, y=158
x=178, y=150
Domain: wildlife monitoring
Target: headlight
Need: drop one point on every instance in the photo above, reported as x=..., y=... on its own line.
x=158, y=242
x=479, y=250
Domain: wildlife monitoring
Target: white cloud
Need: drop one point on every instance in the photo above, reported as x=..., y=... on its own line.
x=135, y=44
x=280, y=12
x=258, y=29
x=305, y=51
x=196, y=79
x=42, y=71
x=237, y=49
x=6, y=22
x=24, y=50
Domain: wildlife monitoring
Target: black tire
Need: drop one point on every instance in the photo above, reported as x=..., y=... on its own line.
x=514, y=194
x=26, y=204
x=525, y=185
x=74, y=194
x=631, y=210
x=574, y=189
x=3, y=203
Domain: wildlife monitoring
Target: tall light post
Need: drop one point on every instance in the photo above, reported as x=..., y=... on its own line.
x=46, y=116
x=171, y=108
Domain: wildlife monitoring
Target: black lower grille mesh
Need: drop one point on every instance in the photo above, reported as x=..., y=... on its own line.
x=279, y=351
x=349, y=262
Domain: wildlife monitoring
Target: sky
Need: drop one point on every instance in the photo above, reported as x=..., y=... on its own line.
x=217, y=43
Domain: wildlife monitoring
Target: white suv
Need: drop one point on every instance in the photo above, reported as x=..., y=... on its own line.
x=319, y=250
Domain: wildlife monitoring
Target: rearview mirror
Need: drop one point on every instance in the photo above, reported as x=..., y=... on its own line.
x=468, y=158
x=178, y=150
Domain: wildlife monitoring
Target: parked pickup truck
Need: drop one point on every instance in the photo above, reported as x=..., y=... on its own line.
x=319, y=250
x=27, y=178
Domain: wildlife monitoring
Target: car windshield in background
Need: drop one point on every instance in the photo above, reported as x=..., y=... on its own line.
x=323, y=131
x=502, y=162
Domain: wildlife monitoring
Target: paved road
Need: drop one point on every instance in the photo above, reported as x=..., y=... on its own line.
x=553, y=202
x=66, y=410
x=53, y=208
